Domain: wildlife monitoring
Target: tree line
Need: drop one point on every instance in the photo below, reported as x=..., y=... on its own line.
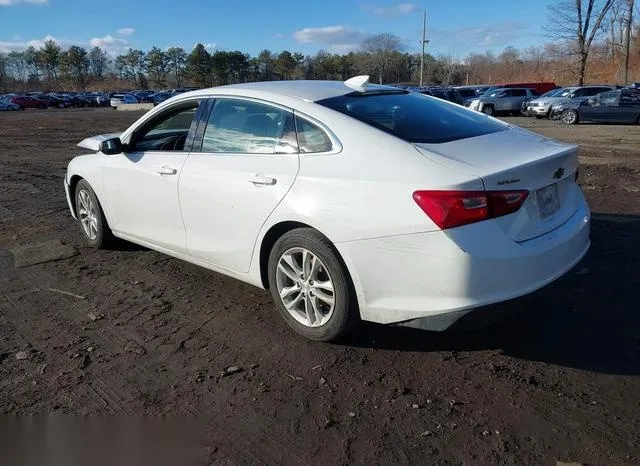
x=593, y=41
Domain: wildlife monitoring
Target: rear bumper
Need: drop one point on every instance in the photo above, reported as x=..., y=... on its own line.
x=439, y=277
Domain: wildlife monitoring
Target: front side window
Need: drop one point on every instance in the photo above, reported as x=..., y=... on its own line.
x=590, y=91
x=238, y=126
x=413, y=117
x=167, y=131
x=580, y=93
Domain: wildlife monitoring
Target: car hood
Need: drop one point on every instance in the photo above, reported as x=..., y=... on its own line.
x=549, y=100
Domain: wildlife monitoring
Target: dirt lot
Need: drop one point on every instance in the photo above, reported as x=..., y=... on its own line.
x=558, y=382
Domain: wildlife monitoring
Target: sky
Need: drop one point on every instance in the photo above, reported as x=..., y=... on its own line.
x=454, y=28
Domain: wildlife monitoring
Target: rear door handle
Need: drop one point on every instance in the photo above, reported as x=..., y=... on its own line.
x=262, y=180
x=164, y=170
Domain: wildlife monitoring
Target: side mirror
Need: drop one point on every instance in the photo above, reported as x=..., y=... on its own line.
x=111, y=146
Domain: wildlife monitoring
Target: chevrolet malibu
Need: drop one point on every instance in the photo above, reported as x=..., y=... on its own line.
x=348, y=201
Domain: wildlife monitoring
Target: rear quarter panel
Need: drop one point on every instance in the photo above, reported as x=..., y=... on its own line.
x=367, y=189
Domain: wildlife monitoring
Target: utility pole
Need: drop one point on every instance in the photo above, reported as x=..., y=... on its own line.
x=423, y=42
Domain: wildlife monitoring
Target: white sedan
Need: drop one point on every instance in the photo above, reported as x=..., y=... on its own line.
x=119, y=99
x=348, y=201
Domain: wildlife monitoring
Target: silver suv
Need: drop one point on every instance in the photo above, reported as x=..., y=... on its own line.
x=541, y=107
x=508, y=99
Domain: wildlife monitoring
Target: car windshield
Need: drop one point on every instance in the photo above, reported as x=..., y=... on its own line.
x=565, y=92
x=553, y=93
x=413, y=117
x=492, y=93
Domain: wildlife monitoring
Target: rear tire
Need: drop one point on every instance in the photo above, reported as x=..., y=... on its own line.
x=321, y=310
x=91, y=219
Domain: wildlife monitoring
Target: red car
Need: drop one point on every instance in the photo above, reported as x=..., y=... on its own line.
x=26, y=101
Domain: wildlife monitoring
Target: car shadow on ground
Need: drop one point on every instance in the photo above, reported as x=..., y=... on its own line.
x=588, y=320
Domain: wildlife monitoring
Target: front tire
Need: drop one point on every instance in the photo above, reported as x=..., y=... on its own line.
x=569, y=117
x=310, y=285
x=488, y=110
x=91, y=219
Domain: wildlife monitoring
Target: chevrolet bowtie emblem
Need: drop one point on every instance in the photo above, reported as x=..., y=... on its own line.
x=558, y=173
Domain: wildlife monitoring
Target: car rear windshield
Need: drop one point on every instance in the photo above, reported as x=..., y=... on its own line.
x=414, y=117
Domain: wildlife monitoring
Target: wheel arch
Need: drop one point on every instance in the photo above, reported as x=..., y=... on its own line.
x=269, y=240
x=73, y=184
x=488, y=105
x=275, y=232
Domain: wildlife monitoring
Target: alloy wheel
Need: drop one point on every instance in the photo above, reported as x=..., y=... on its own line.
x=569, y=117
x=88, y=214
x=305, y=287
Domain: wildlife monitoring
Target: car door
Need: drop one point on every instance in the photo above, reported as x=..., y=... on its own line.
x=503, y=100
x=519, y=96
x=604, y=108
x=244, y=161
x=629, y=107
x=141, y=183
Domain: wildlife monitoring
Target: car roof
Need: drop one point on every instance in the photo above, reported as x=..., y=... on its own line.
x=310, y=90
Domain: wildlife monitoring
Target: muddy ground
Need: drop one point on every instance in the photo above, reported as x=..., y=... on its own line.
x=154, y=335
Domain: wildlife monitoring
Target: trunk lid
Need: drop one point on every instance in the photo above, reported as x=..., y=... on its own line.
x=516, y=159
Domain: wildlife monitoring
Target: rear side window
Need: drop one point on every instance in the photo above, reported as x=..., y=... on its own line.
x=311, y=138
x=519, y=93
x=609, y=99
x=414, y=117
x=630, y=97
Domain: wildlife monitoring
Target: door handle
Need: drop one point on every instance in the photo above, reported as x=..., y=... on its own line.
x=262, y=180
x=164, y=170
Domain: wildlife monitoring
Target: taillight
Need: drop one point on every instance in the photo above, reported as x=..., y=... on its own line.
x=505, y=202
x=449, y=209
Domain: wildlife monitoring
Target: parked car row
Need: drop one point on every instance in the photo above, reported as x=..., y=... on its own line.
x=541, y=107
x=41, y=100
x=619, y=106
x=593, y=103
x=151, y=97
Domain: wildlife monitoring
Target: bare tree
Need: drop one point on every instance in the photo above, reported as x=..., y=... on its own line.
x=578, y=21
x=381, y=49
x=628, y=23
